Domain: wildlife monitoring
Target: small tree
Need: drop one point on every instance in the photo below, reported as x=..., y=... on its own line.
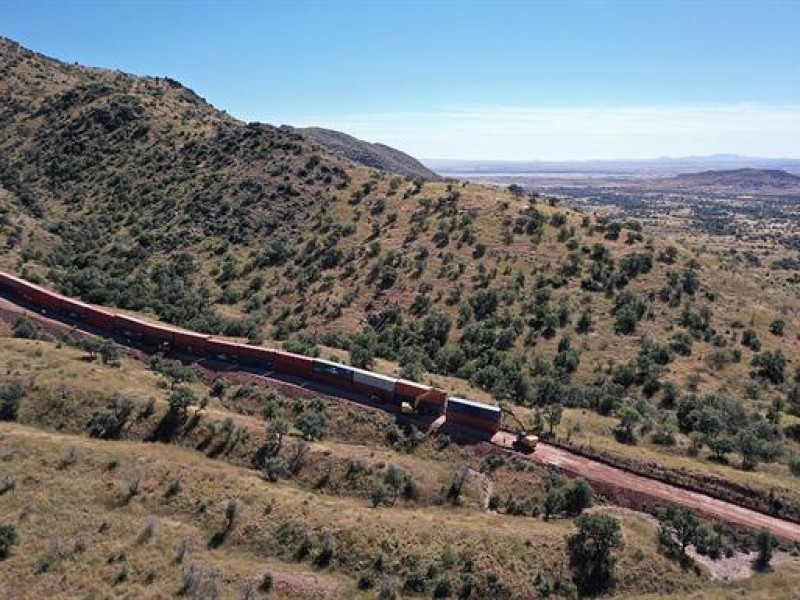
x=591, y=552
x=752, y=446
x=553, y=503
x=180, y=399
x=274, y=442
x=720, y=445
x=91, y=346
x=361, y=356
x=109, y=353
x=584, y=324
x=771, y=366
x=220, y=387
x=750, y=340
x=777, y=327
x=765, y=545
x=679, y=528
x=553, y=414
x=299, y=457
x=11, y=395
x=628, y=418
x=8, y=539
x=577, y=497
x=312, y=423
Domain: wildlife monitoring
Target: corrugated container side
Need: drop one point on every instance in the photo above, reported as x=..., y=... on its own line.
x=130, y=326
x=40, y=296
x=434, y=396
x=429, y=408
x=243, y=353
x=334, y=381
x=191, y=342
x=472, y=422
x=326, y=367
x=262, y=356
x=31, y=291
x=368, y=390
x=220, y=349
x=408, y=390
x=94, y=315
x=12, y=283
x=294, y=364
x=465, y=407
x=374, y=380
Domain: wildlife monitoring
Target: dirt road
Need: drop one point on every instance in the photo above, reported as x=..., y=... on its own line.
x=640, y=489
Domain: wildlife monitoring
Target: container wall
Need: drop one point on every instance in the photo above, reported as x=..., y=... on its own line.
x=472, y=422
x=374, y=380
x=93, y=315
x=335, y=381
x=146, y=332
x=220, y=349
x=332, y=369
x=194, y=343
x=368, y=390
x=294, y=364
x=474, y=409
x=406, y=391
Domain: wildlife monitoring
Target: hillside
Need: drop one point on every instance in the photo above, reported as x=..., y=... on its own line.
x=134, y=192
x=740, y=178
x=376, y=156
x=97, y=510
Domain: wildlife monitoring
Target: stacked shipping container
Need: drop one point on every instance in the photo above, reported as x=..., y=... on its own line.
x=158, y=336
x=473, y=414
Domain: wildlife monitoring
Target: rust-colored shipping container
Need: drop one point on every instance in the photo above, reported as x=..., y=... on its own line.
x=433, y=397
x=35, y=294
x=408, y=391
x=148, y=333
x=93, y=315
x=294, y=364
x=242, y=353
x=219, y=349
x=193, y=343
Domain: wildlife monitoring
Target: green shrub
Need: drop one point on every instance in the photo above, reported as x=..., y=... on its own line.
x=8, y=539
x=11, y=396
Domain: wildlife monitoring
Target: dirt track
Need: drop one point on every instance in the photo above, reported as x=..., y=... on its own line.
x=627, y=489
x=657, y=492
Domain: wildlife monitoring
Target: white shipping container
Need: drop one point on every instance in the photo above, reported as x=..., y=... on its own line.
x=375, y=380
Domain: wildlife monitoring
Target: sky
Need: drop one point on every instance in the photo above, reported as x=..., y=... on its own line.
x=497, y=79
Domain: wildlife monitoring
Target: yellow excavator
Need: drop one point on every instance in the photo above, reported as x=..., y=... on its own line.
x=525, y=442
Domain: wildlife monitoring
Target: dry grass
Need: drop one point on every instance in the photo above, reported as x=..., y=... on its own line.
x=87, y=502
x=68, y=486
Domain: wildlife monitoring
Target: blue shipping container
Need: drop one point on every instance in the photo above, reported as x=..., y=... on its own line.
x=479, y=410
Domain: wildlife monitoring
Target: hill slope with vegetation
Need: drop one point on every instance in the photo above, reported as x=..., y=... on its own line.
x=376, y=156
x=135, y=193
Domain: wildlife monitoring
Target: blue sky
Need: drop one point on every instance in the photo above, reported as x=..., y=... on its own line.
x=498, y=79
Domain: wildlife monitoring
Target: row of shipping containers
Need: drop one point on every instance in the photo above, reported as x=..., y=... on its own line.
x=159, y=336
x=385, y=387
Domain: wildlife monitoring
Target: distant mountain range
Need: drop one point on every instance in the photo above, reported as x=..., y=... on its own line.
x=657, y=167
x=741, y=178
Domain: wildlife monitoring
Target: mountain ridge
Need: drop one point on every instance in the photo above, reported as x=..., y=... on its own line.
x=374, y=155
x=744, y=178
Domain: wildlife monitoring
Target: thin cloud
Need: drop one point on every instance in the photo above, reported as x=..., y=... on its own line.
x=508, y=132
